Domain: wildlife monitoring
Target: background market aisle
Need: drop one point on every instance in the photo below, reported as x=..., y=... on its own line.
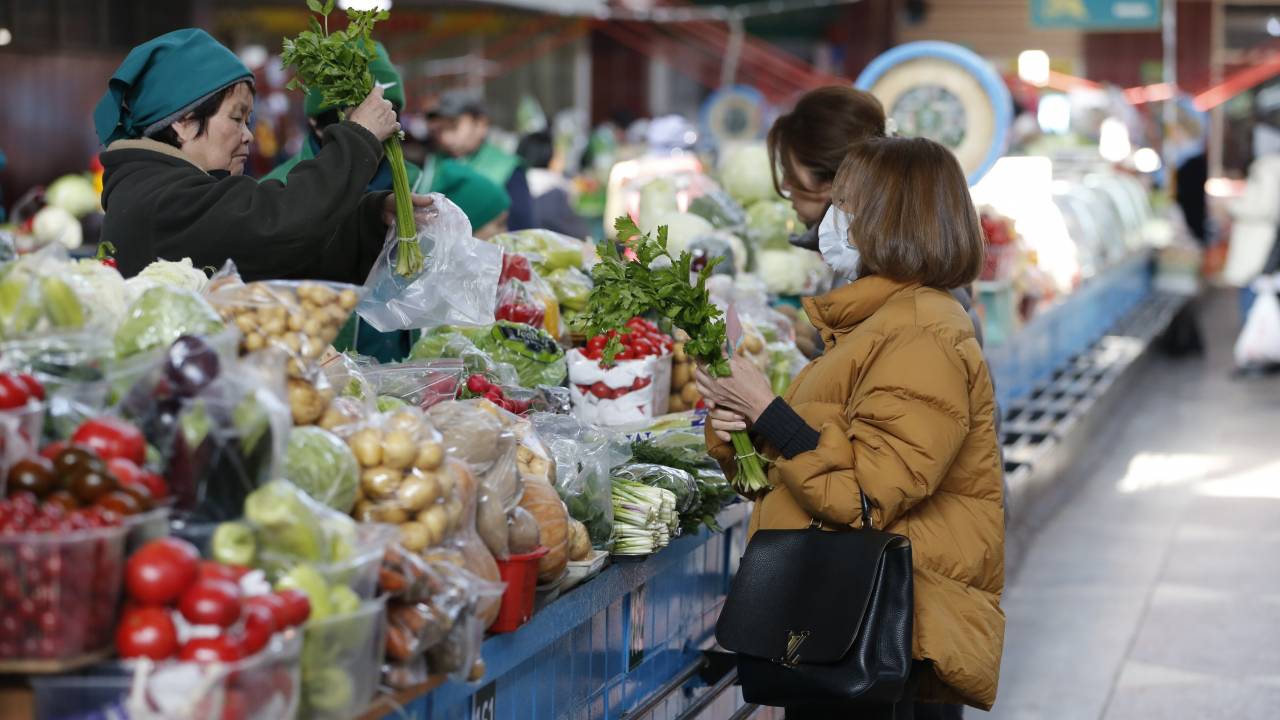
x=1153, y=592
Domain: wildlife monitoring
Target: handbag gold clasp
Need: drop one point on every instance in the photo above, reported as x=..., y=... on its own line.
x=794, y=640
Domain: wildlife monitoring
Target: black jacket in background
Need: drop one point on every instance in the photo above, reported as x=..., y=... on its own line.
x=1190, y=180
x=322, y=225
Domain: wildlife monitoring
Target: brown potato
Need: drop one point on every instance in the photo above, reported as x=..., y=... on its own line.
x=418, y=491
x=380, y=482
x=415, y=536
x=430, y=455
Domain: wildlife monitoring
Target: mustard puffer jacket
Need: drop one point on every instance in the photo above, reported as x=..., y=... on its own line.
x=903, y=400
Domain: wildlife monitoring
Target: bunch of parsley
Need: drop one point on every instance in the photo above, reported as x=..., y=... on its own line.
x=657, y=282
x=336, y=65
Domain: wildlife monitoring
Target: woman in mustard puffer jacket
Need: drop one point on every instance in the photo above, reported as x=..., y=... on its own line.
x=899, y=407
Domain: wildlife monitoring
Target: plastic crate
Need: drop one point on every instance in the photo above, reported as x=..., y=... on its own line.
x=59, y=598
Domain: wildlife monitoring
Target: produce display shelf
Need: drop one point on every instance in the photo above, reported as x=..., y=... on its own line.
x=1030, y=356
x=601, y=648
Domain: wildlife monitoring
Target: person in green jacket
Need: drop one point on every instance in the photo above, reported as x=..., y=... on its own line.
x=459, y=128
x=321, y=117
x=485, y=205
x=176, y=123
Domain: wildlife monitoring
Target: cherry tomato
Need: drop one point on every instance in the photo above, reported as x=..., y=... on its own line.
x=297, y=606
x=51, y=450
x=124, y=470
x=13, y=394
x=119, y=502
x=32, y=385
x=112, y=438
x=33, y=474
x=161, y=571
x=216, y=649
x=275, y=604
x=210, y=570
x=147, y=632
x=156, y=484
x=259, y=624
x=211, y=602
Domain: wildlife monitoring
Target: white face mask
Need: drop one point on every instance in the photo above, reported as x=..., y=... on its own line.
x=833, y=243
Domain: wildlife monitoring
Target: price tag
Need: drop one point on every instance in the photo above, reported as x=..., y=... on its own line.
x=484, y=704
x=635, y=646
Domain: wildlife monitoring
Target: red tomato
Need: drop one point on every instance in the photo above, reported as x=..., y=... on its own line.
x=597, y=343
x=515, y=267
x=297, y=605
x=161, y=571
x=146, y=632
x=626, y=354
x=124, y=470
x=112, y=438
x=156, y=484
x=51, y=450
x=13, y=394
x=210, y=570
x=478, y=384
x=235, y=706
x=211, y=602
x=644, y=348
x=601, y=390
x=259, y=625
x=275, y=604
x=216, y=649
x=32, y=385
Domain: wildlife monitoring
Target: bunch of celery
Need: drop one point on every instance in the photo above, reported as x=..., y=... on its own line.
x=644, y=518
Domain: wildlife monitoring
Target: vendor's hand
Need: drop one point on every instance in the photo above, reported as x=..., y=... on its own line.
x=724, y=422
x=747, y=392
x=389, y=207
x=376, y=115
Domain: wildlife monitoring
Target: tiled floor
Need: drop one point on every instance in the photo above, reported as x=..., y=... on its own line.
x=1155, y=591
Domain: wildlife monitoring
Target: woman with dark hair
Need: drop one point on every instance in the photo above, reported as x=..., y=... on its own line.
x=176, y=123
x=808, y=146
x=900, y=410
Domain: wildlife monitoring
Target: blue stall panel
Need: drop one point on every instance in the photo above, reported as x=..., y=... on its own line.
x=606, y=645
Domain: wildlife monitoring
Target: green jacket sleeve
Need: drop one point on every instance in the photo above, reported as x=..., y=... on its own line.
x=321, y=225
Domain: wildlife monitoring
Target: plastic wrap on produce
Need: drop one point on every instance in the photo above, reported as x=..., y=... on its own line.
x=419, y=383
x=46, y=293
x=584, y=455
x=72, y=369
x=300, y=319
x=458, y=283
x=630, y=391
x=220, y=429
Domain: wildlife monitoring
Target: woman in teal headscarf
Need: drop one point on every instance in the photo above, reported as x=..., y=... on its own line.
x=176, y=125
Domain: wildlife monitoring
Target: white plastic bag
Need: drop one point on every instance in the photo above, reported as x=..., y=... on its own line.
x=1259, y=341
x=458, y=284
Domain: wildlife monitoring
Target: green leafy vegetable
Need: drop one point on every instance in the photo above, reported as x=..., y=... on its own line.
x=625, y=289
x=336, y=65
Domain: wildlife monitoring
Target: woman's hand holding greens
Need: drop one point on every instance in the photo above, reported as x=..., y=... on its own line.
x=735, y=400
x=389, y=207
x=376, y=115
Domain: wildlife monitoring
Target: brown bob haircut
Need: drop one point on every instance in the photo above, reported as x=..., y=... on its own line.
x=819, y=131
x=913, y=217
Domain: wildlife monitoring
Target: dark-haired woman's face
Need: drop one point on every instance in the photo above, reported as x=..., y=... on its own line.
x=811, y=198
x=224, y=144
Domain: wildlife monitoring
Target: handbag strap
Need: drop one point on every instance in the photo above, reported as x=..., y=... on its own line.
x=816, y=524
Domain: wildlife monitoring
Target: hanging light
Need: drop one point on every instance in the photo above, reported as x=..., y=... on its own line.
x=1146, y=160
x=364, y=4
x=1113, y=141
x=1033, y=67
x=6, y=36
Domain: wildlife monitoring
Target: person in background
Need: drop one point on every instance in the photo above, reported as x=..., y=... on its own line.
x=899, y=409
x=176, y=124
x=321, y=117
x=809, y=144
x=1255, y=217
x=459, y=128
x=552, y=209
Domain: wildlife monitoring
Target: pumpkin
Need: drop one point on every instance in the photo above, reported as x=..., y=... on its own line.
x=542, y=501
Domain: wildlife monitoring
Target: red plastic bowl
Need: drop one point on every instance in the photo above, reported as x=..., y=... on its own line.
x=520, y=573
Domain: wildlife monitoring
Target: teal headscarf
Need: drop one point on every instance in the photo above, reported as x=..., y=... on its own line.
x=163, y=79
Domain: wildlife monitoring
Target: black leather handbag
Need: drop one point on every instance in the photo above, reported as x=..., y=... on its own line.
x=821, y=619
